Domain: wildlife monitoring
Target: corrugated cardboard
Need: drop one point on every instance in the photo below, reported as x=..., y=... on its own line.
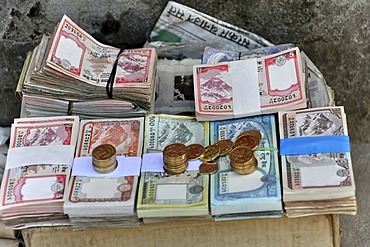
x=4, y=242
x=6, y=233
x=321, y=231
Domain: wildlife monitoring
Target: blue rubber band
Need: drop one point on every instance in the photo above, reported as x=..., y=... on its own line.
x=314, y=145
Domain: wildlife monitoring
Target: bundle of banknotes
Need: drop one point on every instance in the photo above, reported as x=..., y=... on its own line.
x=317, y=173
x=164, y=197
x=71, y=66
x=105, y=200
x=37, y=171
x=235, y=196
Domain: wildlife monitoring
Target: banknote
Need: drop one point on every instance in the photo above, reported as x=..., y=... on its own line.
x=315, y=174
x=44, y=131
x=133, y=66
x=34, y=184
x=319, y=93
x=77, y=54
x=86, y=189
x=249, y=87
x=163, y=195
x=163, y=129
x=212, y=55
x=126, y=135
x=260, y=191
x=36, y=120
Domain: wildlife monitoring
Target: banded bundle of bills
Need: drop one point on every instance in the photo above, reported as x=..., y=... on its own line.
x=317, y=170
x=318, y=92
x=37, y=171
x=105, y=200
x=72, y=66
x=164, y=197
x=257, y=195
x=249, y=87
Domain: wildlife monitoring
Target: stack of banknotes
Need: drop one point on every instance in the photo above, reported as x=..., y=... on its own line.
x=71, y=66
x=37, y=171
x=106, y=200
x=257, y=195
x=317, y=174
x=164, y=197
x=249, y=87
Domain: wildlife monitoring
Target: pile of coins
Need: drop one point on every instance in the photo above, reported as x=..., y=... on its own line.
x=175, y=158
x=104, y=158
x=242, y=159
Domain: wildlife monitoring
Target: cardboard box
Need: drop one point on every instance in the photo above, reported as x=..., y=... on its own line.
x=320, y=231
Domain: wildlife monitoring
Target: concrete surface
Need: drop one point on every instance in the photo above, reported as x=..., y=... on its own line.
x=334, y=34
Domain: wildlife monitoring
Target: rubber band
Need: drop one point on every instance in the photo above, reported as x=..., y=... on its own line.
x=314, y=145
x=110, y=82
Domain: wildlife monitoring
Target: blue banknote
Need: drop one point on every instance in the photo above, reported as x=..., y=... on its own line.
x=213, y=55
x=257, y=192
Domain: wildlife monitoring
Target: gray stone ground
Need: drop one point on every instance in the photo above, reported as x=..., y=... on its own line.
x=334, y=34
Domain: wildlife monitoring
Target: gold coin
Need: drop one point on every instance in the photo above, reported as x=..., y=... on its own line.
x=208, y=167
x=174, y=161
x=195, y=151
x=248, y=170
x=174, y=150
x=247, y=140
x=225, y=146
x=174, y=172
x=255, y=133
x=211, y=152
x=106, y=170
x=176, y=166
x=103, y=164
x=104, y=152
x=240, y=154
x=242, y=164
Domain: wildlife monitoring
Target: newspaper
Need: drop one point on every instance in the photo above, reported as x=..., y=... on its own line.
x=175, y=87
x=181, y=24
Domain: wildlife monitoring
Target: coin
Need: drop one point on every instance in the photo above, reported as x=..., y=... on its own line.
x=241, y=154
x=211, y=152
x=195, y=151
x=103, y=152
x=106, y=170
x=173, y=171
x=247, y=140
x=208, y=167
x=225, y=146
x=247, y=170
x=174, y=150
x=255, y=133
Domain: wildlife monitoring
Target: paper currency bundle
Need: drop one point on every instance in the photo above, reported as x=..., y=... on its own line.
x=71, y=65
x=164, y=197
x=37, y=171
x=317, y=174
x=249, y=87
x=257, y=195
x=100, y=201
x=106, y=200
